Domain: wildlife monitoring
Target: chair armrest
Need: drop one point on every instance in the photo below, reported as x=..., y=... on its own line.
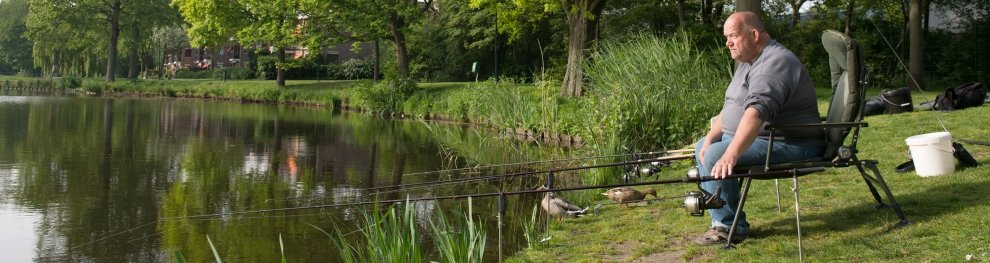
x=819, y=125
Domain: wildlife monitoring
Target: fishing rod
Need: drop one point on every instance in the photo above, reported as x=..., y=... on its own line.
x=502, y=196
x=549, y=161
x=501, y=176
x=686, y=179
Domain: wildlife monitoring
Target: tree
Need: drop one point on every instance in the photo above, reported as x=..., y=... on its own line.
x=796, y=10
x=273, y=22
x=916, y=58
x=55, y=34
x=16, y=49
x=582, y=29
x=368, y=20
x=86, y=16
x=754, y=6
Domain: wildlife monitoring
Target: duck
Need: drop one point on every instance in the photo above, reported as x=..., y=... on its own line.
x=626, y=195
x=559, y=207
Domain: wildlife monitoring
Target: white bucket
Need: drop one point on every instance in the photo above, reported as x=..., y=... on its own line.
x=932, y=153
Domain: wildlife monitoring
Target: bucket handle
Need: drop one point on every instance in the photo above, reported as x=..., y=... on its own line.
x=884, y=98
x=938, y=147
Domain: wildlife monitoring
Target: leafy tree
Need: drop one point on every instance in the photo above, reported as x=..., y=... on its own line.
x=86, y=17
x=16, y=49
x=138, y=28
x=278, y=23
x=62, y=39
x=368, y=20
x=582, y=17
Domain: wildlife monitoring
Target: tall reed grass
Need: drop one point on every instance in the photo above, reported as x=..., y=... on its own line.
x=392, y=236
x=654, y=93
x=459, y=243
x=388, y=237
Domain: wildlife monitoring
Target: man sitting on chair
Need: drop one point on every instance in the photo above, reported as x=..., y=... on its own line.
x=769, y=86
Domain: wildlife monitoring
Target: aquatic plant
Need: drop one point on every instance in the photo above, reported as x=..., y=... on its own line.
x=459, y=243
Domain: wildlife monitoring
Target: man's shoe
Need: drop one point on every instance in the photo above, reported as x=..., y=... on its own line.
x=718, y=235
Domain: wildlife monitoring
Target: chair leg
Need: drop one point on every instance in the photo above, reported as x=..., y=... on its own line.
x=739, y=209
x=797, y=218
x=776, y=185
x=873, y=190
x=872, y=165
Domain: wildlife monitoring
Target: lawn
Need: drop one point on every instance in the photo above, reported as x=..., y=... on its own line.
x=949, y=214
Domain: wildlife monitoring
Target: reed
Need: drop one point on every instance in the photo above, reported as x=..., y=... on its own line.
x=654, y=93
x=531, y=229
x=388, y=237
x=216, y=255
x=459, y=243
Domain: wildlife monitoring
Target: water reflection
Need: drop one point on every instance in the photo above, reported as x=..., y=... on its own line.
x=92, y=179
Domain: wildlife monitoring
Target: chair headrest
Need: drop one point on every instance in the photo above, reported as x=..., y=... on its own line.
x=838, y=46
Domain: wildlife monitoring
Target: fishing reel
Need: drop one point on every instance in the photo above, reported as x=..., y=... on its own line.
x=645, y=169
x=696, y=202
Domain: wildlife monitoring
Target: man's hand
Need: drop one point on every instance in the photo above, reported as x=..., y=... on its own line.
x=723, y=167
x=746, y=133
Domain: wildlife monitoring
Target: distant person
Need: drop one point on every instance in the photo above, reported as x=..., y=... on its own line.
x=769, y=86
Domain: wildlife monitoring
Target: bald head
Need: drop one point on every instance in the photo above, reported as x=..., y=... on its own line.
x=746, y=19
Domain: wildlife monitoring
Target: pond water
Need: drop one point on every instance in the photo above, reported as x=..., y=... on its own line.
x=86, y=179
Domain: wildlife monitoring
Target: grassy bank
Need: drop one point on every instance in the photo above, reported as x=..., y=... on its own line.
x=950, y=214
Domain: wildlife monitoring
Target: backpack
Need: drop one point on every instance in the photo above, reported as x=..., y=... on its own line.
x=969, y=94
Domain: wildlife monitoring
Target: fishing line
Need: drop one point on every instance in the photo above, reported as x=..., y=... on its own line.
x=548, y=161
x=491, y=177
x=204, y=217
x=519, y=192
x=901, y=62
x=112, y=235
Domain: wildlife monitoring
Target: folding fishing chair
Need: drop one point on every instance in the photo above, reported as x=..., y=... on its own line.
x=845, y=115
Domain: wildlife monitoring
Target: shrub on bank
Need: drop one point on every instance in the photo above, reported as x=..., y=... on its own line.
x=385, y=97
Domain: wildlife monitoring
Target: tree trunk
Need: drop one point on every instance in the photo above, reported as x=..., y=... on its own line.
x=706, y=13
x=401, y=53
x=717, y=13
x=280, y=68
x=577, y=21
x=796, y=11
x=114, y=20
x=377, y=68
x=132, y=67
x=56, y=61
x=916, y=63
x=750, y=5
x=849, y=15
x=680, y=13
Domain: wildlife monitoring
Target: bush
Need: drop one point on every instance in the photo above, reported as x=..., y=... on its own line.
x=68, y=82
x=356, y=69
x=385, y=97
x=266, y=67
x=193, y=74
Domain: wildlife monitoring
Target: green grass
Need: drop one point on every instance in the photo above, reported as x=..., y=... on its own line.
x=950, y=214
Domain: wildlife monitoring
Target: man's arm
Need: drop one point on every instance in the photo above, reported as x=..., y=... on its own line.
x=749, y=128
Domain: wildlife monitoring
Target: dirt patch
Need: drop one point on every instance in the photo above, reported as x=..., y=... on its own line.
x=623, y=251
x=666, y=256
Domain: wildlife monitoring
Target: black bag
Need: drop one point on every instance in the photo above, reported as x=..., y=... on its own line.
x=960, y=97
x=961, y=154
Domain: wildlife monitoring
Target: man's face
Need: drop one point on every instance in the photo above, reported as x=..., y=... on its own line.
x=740, y=40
